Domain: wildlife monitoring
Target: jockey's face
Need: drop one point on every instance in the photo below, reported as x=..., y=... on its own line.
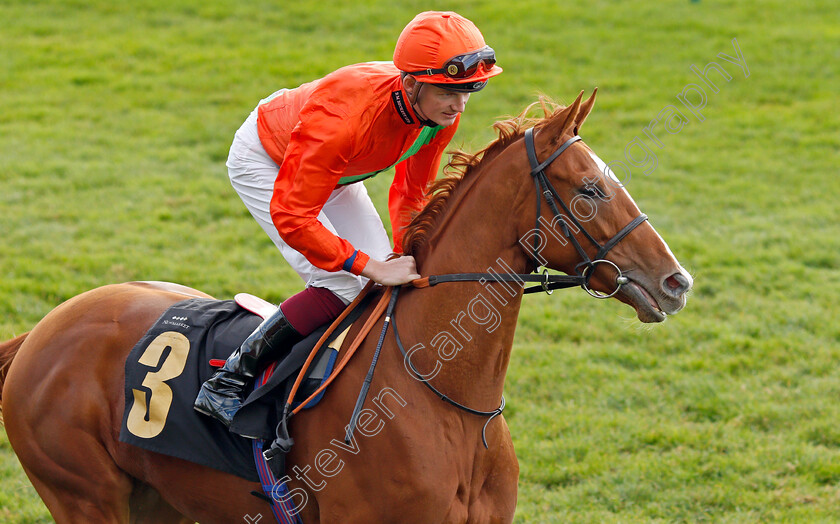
x=439, y=105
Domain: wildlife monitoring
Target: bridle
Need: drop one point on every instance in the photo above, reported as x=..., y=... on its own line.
x=583, y=270
x=586, y=267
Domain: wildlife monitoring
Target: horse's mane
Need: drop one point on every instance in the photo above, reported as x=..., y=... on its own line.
x=463, y=165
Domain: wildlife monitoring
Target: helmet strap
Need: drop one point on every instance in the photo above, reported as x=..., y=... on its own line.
x=422, y=119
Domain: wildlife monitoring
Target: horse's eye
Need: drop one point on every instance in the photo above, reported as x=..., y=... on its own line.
x=591, y=191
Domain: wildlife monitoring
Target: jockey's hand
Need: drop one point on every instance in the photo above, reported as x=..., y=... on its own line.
x=394, y=272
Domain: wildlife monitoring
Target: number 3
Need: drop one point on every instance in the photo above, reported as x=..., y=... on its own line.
x=161, y=398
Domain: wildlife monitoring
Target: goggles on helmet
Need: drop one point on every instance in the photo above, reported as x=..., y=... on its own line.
x=463, y=66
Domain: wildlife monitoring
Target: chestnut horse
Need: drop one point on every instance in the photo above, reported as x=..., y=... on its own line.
x=413, y=457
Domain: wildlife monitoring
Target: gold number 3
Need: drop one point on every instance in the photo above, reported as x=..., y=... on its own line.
x=158, y=405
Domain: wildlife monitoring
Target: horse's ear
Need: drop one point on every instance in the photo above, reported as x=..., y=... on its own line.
x=585, y=108
x=562, y=121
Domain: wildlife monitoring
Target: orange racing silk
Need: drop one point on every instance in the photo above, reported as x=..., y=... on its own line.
x=349, y=125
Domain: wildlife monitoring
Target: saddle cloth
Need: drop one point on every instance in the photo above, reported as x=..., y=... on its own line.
x=165, y=369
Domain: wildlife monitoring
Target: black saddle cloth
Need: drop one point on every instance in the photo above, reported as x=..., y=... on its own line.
x=165, y=369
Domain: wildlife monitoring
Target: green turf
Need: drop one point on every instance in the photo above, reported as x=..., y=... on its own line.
x=116, y=117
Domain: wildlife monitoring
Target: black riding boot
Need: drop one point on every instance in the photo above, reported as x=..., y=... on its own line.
x=222, y=395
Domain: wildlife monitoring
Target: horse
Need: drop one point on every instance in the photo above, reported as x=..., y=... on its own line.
x=414, y=458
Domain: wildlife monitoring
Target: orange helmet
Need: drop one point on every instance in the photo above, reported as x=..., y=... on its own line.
x=445, y=48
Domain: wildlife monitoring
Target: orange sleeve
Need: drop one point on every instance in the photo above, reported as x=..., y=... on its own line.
x=315, y=159
x=407, y=195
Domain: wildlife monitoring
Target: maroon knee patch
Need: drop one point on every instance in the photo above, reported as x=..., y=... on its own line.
x=311, y=308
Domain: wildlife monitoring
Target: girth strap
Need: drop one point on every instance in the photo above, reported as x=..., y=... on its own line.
x=360, y=337
x=282, y=444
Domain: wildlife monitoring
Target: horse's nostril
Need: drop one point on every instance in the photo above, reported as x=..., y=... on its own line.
x=672, y=282
x=677, y=283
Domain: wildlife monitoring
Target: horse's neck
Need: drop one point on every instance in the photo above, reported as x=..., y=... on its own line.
x=468, y=328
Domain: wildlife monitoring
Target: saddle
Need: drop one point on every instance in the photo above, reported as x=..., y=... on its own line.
x=315, y=357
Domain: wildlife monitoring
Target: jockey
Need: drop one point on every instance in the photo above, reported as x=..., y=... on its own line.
x=298, y=161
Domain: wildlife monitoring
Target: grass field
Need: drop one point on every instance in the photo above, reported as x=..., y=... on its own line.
x=115, y=121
